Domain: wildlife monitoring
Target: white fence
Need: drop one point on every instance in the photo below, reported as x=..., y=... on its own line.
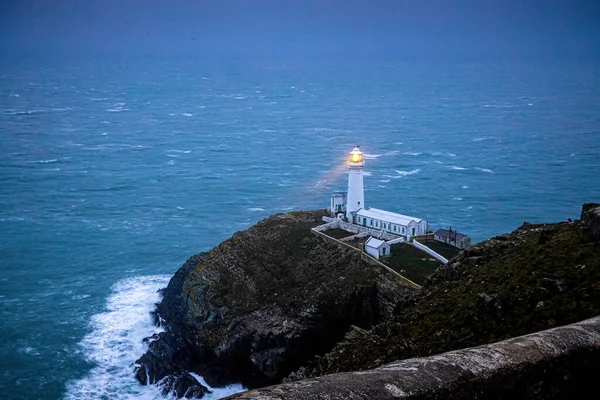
x=394, y=241
x=429, y=251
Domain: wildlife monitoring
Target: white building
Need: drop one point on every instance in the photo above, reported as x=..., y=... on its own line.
x=338, y=204
x=377, y=248
x=356, y=213
x=452, y=238
x=396, y=224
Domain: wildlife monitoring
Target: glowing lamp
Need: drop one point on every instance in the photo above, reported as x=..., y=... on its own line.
x=356, y=155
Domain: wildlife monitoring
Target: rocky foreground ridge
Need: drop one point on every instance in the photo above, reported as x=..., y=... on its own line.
x=260, y=305
x=222, y=324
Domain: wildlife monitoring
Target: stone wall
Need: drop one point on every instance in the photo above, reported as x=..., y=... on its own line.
x=557, y=363
x=332, y=223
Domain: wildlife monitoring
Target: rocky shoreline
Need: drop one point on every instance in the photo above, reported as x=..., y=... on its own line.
x=274, y=303
x=261, y=304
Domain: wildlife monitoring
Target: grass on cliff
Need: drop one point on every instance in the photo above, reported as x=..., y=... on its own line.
x=411, y=262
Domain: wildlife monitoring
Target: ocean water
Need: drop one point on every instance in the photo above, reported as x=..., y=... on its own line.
x=114, y=171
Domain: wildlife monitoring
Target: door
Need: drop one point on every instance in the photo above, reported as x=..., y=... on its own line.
x=364, y=221
x=413, y=231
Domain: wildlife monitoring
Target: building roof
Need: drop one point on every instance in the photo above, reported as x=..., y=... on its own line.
x=376, y=243
x=443, y=233
x=387, y=216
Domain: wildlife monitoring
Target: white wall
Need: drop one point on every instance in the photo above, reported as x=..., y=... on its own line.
x=372, y=252
x=429, y=251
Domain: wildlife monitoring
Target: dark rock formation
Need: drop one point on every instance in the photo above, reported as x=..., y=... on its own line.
x=554, y=364
x=261, y=304
x=590, y=214
x=535, y=278
x=182, y=385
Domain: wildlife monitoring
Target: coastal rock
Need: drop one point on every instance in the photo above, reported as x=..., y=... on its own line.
x=590, y=214
x=182, y=385
x=261, y=304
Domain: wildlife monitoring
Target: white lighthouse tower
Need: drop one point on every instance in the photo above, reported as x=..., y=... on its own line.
x=356, y=193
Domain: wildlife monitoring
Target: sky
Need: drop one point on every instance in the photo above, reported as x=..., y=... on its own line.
x=557, y=28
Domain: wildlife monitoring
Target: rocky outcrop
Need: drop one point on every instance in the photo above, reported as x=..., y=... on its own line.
x=538, y=277
x=590, y=214
x=261, y=304
x=554, y=364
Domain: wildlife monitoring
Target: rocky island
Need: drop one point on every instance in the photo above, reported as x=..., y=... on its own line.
x=275, y=303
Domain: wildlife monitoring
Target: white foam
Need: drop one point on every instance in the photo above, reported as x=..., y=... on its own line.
x=484, y=170
x=464, y=187
x=218, y=393
x=371, y=156
x=30, y=351
x=411, y=153
x=256, y=209
x=406, y=173
x=452, y=154
x=457, y=198
x=392, y=153
x=458, y=168
x=187, y=114
x=115, y=342
x=367, y=173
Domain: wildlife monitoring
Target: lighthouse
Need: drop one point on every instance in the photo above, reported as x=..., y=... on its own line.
x=355, y=199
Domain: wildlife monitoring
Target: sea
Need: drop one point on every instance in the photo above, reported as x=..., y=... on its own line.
x=115, y=170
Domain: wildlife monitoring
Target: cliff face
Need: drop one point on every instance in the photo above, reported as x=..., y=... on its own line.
x=535, y=278
x=261, y=304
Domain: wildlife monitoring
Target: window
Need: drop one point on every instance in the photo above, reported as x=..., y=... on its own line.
x=402, y=230
x=394, y=228
x=371, y=222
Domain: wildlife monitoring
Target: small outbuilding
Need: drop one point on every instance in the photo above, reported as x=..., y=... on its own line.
x=452, y=238
x=377, y=248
